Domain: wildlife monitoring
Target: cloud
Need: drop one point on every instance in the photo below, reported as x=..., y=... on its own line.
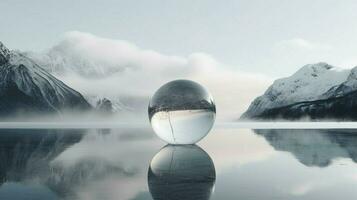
x=301, y=44
x=112, y=68
x=307, y=187
x=287, y=56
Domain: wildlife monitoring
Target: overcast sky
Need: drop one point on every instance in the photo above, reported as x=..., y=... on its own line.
x=272, y=37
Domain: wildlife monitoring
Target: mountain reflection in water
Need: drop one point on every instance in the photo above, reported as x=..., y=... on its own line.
x=25, y=157
x=314, y=147
x=58, y=164
x=128, y=164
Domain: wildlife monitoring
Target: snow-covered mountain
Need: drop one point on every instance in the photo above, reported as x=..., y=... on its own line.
x=63, y=60
x=25, y=86
x=4, y=54
x=316, y=90
x=91, y=74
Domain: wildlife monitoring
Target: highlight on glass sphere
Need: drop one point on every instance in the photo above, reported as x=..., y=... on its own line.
x=181, y=172
x=182, y=112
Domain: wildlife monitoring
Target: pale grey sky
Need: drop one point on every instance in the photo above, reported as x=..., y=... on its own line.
x=272, y=37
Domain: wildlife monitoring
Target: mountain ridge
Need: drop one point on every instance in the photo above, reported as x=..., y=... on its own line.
x=26, y=87
x=316, y=91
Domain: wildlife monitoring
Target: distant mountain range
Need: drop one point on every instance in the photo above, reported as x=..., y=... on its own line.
x=65, y=60
x=27, y=87
x=316, y=91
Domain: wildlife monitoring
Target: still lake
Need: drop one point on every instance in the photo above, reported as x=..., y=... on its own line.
x=133, y=164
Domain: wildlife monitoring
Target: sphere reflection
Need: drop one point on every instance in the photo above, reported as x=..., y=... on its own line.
x=181, y=172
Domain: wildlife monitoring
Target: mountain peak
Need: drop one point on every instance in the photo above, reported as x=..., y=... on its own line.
x=25, y=87
x=319, y=65
x=315, y=69
x=353, y=74
x=311, y=82
x=4, y=53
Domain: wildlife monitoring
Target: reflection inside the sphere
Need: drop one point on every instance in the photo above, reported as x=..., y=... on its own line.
x=181, y=172
x=182, y=112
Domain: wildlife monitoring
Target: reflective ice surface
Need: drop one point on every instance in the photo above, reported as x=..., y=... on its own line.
x=181, y=172
x=182, y=112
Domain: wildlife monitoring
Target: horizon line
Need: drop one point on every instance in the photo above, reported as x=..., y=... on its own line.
x=219, y=125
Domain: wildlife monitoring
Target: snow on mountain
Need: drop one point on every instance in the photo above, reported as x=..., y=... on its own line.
x=89, y=76
x=66, y=63
x=311, y=82
x=25, y=86
x=117, y=104
x=61, y=60
x=4, y=54
x=128, y=74
x=90, y=56
x=344, y=88
x=112, y=69
x=75, y=56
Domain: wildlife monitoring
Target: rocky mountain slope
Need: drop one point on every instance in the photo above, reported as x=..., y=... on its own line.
x=64, y=60
x=26, y=87
x=316, y=91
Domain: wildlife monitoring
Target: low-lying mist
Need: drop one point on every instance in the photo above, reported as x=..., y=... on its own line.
x=78, y=117
x=128, y=75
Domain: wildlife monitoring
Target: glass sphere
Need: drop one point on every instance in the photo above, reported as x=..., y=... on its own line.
x=182, y=112
x=181, y=172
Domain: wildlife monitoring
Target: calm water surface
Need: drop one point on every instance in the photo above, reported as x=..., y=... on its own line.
x=133, y=164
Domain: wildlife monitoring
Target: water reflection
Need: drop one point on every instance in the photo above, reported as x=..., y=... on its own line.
x=314, y=147
x=25, y=156
x=181, y=172
x=113, y=164
x=74, y=164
